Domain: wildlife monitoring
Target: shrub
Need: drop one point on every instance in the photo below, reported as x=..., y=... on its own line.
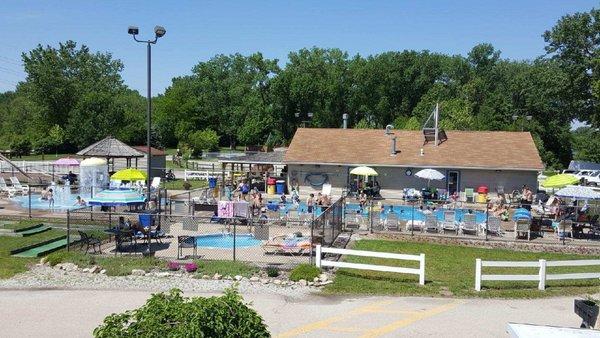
x=190, y=267
x=272, y=271
x=171, y=315
x=203, y=140
x=173, y=266
x=304, y=271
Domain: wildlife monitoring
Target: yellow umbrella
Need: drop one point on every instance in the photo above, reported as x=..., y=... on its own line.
x=364, y=171
x=559, y=181
x=129, y=174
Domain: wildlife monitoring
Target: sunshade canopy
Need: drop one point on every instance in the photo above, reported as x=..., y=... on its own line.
x=66, y=162
x=364, y=171
x=578, y=192
x=430, y=174
x=559, y=181
x=129, y=174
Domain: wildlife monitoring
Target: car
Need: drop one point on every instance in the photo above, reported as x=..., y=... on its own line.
x=593, y=179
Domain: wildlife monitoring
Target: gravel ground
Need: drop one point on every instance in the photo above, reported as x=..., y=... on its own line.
x=45, y=277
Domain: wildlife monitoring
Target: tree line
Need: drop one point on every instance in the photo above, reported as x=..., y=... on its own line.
x=72, y=96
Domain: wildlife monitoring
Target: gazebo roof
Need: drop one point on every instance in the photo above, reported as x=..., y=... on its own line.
x=110, y=147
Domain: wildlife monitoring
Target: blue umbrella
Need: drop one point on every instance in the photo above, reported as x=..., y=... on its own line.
x=112, y=198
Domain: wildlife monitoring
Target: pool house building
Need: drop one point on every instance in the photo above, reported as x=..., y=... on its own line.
x=499, y=160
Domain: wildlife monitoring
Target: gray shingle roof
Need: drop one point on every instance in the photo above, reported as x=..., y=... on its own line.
x=110, y=147
x=272, y=157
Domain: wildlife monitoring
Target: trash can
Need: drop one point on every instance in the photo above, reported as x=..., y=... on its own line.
x=482, y=193
x=271, y=186
x=280, y=185
x=212, y=182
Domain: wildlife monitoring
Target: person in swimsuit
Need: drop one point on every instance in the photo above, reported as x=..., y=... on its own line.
x=310, y=203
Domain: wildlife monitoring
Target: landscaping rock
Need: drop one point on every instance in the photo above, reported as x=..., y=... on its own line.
x=85, y=270
x=205, y=277
x=254, y=279
x=311, y=283
x=303, y=282
x=264, y=281
x=277, y=282
x=138, y=272
x=228, y=277
x=67, y=267
x=95, y=269
x=323, y=277
x=327, y=282
x=44, y=260
x=316, y=279
x=162, y=274
x=238, y=278
x=217, y=276
x=103, y=272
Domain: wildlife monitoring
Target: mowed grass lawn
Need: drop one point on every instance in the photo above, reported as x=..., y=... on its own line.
x=9, y=266
x=452, y=268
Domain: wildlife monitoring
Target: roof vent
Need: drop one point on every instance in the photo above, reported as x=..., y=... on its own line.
x=393, y=147
x=388, y=129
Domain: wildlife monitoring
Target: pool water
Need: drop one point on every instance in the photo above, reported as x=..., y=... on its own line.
x=225, y=241
x=404, y=212
x=38, y=203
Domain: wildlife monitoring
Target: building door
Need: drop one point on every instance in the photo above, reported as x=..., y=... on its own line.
x=453, y=182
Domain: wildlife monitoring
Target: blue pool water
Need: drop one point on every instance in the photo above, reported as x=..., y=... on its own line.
x=225, y=241
x=404, y=212
x=37, y=203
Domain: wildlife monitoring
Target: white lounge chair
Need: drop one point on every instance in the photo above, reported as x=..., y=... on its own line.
x=391, y=222
x=493, y=226
x=22, y=188
x=564, y=227
x=10, y=191
x=431, y=223
x=469, y=224
x=449, y=222
x=523, y=226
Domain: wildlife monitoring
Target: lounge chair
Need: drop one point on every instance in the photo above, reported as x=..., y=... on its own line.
x=493, y=226
x=523, y=226
x=11, y=191
x=377, y=222
x=89, y=241
x=469, y=195
x=391, y=222
x=449, y=222
x=186, y=242
x=431, y=223
x=155, y=184
x=286, y=245
x=469, y=224
x=354, y=221
x=22, y=188
x=546, y=210
x=564, y=227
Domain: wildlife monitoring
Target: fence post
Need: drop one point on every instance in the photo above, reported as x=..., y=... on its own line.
x=29, y=198
x=371, y=217
x=312, y=241
x=478, y=274
x=412, y=221
x=422, y=269
x=234, y=232
x=542, y=285
x=487, y=217
x=318, y=256
x=68, y=230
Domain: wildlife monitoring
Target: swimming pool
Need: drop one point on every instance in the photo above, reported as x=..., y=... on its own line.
x=38, y=203
x=404, y=212
x=225, y=241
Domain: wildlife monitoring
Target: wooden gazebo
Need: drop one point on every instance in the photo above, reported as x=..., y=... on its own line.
x=111, y=148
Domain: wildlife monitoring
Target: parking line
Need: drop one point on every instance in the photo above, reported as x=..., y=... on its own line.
x=380, y=331
x=323, y=324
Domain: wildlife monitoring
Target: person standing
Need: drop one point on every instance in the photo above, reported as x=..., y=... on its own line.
x=310, y=203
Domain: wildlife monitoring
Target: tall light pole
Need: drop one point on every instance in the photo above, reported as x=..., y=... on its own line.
x=524, y=117
x=159, y=32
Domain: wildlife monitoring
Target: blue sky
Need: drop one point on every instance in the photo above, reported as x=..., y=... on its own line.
x=197, y=30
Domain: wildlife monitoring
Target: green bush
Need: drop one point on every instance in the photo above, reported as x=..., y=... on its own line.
x=272, y=271
x=171, y=315
x=304, y=271
x=203, y=140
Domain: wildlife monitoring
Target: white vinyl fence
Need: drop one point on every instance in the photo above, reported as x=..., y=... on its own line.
x=419, y=258
x=541, y=276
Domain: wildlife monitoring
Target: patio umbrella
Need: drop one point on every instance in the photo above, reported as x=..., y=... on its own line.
x=430, y=174
x=66, y=162
x=364, y=171
x=578, y=192
x=559, y=181
x=129, y=174
x=113, y=198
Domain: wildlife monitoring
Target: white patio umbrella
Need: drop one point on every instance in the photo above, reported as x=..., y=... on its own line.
x=430, y=174
x=578, y=192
